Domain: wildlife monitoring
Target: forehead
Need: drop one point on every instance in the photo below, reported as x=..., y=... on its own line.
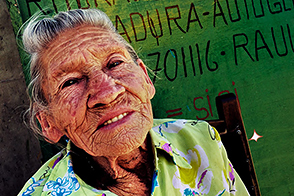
x=79, y=43
x=81, y=36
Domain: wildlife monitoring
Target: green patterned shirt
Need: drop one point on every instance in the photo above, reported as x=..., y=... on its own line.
x=198, y=165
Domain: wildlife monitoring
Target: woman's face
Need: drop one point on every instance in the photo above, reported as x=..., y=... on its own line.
x=98, y=96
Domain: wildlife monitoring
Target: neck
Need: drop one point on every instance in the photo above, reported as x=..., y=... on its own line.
x=128, y=174
x=116, y=166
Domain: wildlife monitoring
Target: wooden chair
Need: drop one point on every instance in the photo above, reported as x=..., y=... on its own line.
x=231, y=128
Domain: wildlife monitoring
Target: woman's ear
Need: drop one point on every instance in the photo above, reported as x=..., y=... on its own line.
x=52, y=134
x=151, y=88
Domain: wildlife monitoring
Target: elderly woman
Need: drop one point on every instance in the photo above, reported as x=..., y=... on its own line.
x=88, y=84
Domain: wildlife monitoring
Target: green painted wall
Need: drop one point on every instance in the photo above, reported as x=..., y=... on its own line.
x=200, y=49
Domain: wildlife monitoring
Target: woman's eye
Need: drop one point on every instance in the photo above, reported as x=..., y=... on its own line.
x=69, y=83
x=114, y=64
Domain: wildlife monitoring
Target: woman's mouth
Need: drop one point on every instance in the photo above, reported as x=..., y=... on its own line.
x=117, y=118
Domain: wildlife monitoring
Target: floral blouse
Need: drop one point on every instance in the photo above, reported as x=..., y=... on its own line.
x=189, y=160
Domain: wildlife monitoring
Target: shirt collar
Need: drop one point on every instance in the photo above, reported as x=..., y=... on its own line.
x=161, y=145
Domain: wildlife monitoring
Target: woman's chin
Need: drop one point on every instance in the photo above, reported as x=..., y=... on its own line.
x=123, y=145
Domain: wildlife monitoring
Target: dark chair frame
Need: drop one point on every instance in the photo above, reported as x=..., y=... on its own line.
x=232, y=131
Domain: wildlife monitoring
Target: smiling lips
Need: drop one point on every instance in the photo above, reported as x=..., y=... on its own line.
x=115, y=119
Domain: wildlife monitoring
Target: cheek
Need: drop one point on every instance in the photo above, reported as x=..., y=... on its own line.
x=141, y=90
x=137, y=85
x=74, y=105
x=71, y=105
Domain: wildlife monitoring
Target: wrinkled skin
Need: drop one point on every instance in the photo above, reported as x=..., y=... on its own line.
x=89, y=78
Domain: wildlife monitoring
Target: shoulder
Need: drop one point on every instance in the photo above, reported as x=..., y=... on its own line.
x=35, y=185
x=200, y=157
x=186, y=128
x=184, y=135
x=198, y=124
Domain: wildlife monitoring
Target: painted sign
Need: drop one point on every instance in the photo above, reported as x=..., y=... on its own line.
x=197, y=50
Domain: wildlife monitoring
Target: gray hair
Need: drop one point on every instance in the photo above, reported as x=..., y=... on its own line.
x=38, y=33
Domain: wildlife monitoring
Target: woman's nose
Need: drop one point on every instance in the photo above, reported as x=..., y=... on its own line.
x=103, y=90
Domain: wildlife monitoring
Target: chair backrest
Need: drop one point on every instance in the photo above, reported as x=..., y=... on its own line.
x=232, y=131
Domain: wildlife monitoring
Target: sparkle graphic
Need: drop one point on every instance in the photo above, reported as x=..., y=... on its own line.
x=255, y=136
